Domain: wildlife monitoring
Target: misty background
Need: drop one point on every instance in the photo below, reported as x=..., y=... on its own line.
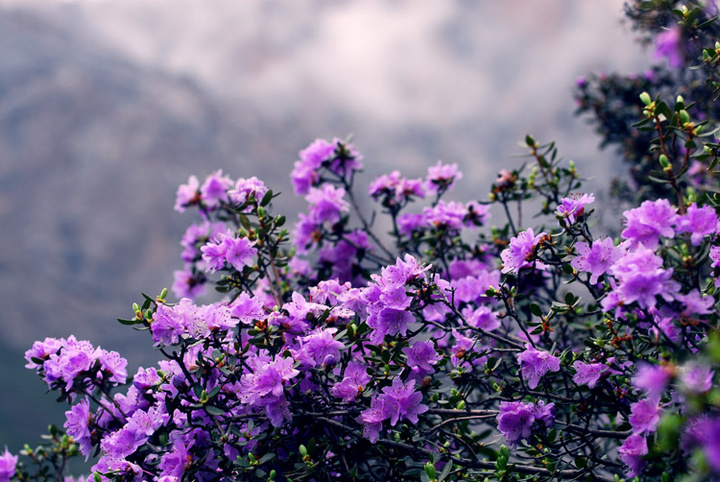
x=107, y=106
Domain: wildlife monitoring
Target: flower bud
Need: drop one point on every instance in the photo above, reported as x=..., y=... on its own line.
x=430, y=471
x=664, y=162
x=684, y=116
x=645, y=98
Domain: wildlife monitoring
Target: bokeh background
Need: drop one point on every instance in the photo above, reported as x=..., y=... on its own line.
x=106, y=106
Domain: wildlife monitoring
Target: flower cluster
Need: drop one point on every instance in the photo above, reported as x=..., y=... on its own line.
x=333, y=342
x=340, y=352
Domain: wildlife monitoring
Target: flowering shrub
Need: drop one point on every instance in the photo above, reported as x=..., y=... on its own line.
x=440, y=351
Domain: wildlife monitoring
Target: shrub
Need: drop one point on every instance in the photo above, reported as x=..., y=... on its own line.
x=443, y=350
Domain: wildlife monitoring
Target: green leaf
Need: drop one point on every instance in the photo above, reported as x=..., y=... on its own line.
x=214, y=391
x=430, y=471
x=267, y=198
x=535, y=309
x=266, y=458
x=658, y=180
x=197, y=389
x=129, y=322
x=245, y=222
x=445, y=471
x=213, y=410
x=708, y=22
x=570, y=299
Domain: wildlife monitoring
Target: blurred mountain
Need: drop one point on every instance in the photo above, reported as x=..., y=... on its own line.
x=105, y=107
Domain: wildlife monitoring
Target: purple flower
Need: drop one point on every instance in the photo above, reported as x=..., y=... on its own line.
x=422, y=355
x=697, y=378
x=175, y=462
x=588, y=373
x=409, y=223
x=167, y=325
x=712, y=444
x=317, y=346
x=342, y=256
x=403, y=271
x=597, y=258
x=476, y=214
x=213, y=318
x=247, y=309
x=303, y=177
x=42, y=350
x=441, y=177
x=328, y=291
x=388, y=321
x=199, y=234
x=462, y=347
x=267, y=380
x=668, y=44
x=397, y=401
x=715, y=256
x=632, y=452
x=644, y=416
x=395, y=297
x=145, y=423
x=699, y=222
x=8, y=462
x=483, y=317
x=696, y=433
x=534, y=364
x=74, y=358
x=696, y=304
x=187, y=194
x=326, y=203
x=214, y=253
x=545, y=413
x=652, y=379
x=346, y=158
x=448, y=215
x=573, y=207
x=505, y=179
x=642, y=278
x=395, y=190
x=521, y=252
x=515, y=420
x=307, y=232
x=113, y=365
x=187, y=284
x=299, y=309
x=122, y=442
x=665, y=321
x=354, y=381
x=246, y=189
x=645, y=224
x=372, y=418
x=402, y=401
x=146, y=378
x=316, y=153
x=120, y=466
x=467, y=289
x=237, y=252
x=240, y=252
x=214, y=189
